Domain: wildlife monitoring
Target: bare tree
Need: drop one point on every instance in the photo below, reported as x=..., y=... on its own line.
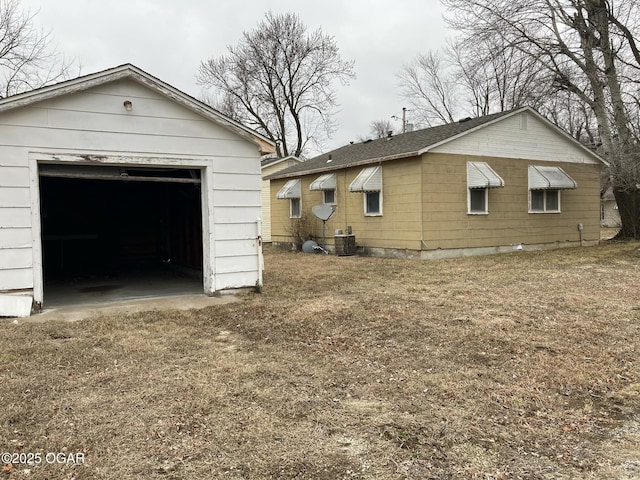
x=589, y=49
x=430, y=89
x=576, y=118
x=280, y=79
x=380, y=128
x=471, y=77
x=27, y=59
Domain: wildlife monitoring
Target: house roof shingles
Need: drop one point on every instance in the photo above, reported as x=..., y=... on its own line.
x=388, y=148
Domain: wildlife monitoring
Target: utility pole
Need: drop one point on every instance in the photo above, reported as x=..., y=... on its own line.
x=404, y=119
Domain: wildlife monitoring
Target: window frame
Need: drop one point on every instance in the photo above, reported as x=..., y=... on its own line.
x=335, y=195
x=485, y=211
x=291, y=207
x=545, y=194
x=365, y=196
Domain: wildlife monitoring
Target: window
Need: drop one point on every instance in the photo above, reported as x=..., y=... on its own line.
x=329, y=196
x=327, y=184
x=369, y=182
x=293, y=193
x=552, y=200
x=478, y=200
x=372, y=203
x=545, y=201
x=537, y=200
x=480, y=178
x=294, y=208
x=545, y=184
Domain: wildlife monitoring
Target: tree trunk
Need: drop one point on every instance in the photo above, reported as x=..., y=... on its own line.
x=629, y=209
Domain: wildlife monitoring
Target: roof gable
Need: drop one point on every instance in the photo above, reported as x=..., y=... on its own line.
x=524, y=134
x=416, y=143
x=131, y=72
x=269, y=162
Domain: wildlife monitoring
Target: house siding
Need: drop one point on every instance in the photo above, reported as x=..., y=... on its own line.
x=425, y=206
x=398, y=227
x=448, y=225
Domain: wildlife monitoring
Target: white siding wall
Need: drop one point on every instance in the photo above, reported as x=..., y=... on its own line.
x=520, y=136
x=94, y=122
x=15, y=227
x=236, y=199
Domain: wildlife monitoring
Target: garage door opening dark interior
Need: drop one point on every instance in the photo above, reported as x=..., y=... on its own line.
x=111, y=231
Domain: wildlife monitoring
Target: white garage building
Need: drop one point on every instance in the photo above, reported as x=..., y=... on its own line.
x=116, y=172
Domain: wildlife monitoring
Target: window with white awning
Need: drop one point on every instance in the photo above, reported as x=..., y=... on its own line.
x=293, y=192
x=543, y=178
x=327, y=184
x=369, y=181
x=291, y=189
x=481, y=175
x=480, y=178
x=324, y=182
x=545, y=185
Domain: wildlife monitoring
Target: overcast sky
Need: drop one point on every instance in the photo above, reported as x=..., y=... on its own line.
x=169, y=39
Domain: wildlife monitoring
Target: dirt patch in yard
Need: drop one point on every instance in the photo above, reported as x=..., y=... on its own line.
x=515, y=366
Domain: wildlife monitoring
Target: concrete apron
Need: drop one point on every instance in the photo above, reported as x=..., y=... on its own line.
x=77, y=312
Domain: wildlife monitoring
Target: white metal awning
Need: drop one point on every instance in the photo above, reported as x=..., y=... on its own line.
x=368, y=180
x=324, y=182
x=291, y=189
x=481, y=175
x=545, y=178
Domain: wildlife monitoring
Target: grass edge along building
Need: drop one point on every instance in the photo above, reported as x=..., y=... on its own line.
x=498, y=183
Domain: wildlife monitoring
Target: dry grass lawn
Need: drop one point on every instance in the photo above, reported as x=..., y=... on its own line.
x=519, y=366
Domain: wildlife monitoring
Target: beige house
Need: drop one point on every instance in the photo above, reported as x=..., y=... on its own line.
x=269, y=167
x=499, y=183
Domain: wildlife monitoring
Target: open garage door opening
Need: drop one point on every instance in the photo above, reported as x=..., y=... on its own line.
x=113, y=233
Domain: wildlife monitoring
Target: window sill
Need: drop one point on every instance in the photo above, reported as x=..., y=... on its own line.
x=477, y=213
x=372, y=214
x=536, y=212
